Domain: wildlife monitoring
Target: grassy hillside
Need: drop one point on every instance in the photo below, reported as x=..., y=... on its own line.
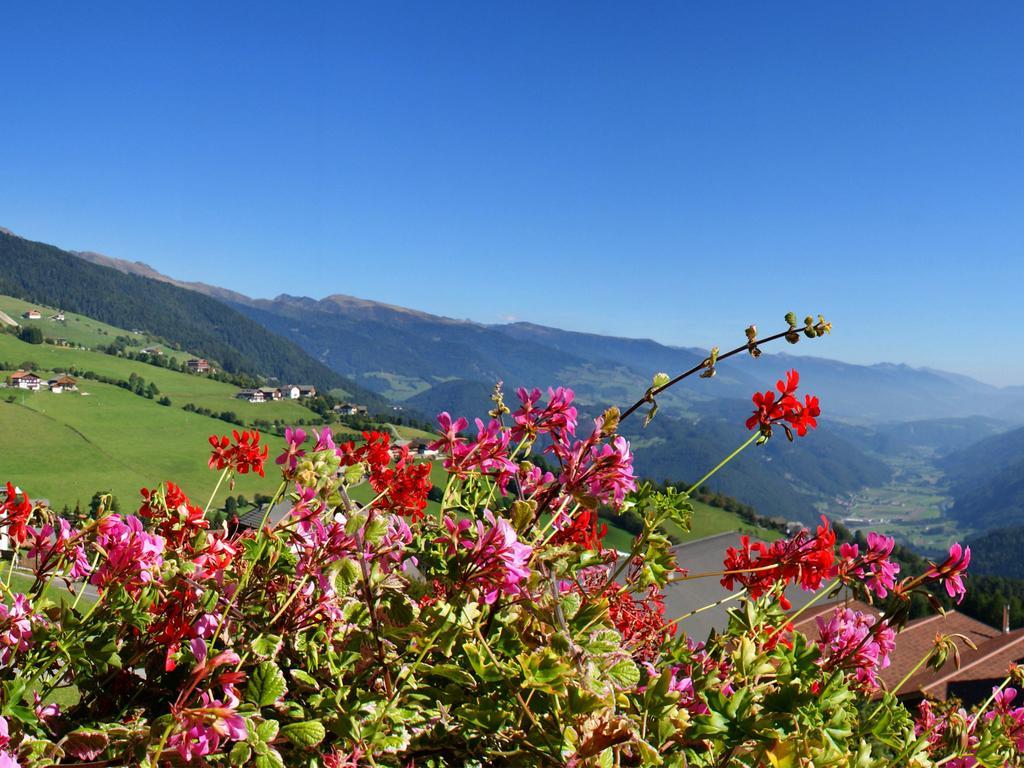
x=69, y=446
x=38, y=272
x=77, y=329
x=181, y=388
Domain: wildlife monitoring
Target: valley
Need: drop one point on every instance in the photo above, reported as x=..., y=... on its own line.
x=912, y=507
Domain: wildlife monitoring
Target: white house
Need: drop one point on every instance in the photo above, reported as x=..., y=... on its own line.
x=350, y=409
x=290, y=392
x=251, y=395
x=24, y=380
x=33, y=314
x=63, y=383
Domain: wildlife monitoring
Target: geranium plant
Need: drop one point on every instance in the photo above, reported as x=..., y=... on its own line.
x=494, y=628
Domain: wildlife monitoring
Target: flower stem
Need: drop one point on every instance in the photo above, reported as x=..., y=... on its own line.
x=709, y=606
x=796, y=614
x=215, y=489
x=722, y=463
x=650, y=394
x=988, y=701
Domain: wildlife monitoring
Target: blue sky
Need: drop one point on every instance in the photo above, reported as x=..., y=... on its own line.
x=661, y=169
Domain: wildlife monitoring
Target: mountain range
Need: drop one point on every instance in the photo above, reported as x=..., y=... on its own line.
x=380, y=352
x=401, y=353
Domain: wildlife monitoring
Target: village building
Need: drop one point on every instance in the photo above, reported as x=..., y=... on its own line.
x=57, y=317
x=350, y=409
x=32, y=314
x=25, y=380
x=290, y=392
x=251, y=520
x=422, y=448
x=251, y=395
x=63, y=383
x=271, y=393
x=155, y=351
x=306, y=390
x=198, y=365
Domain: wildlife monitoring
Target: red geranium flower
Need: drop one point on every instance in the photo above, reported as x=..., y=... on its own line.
x=243, y=455
x=584, y=530
x=403, y=488
x=15, y=513
x=787, y=408
x=760, y=567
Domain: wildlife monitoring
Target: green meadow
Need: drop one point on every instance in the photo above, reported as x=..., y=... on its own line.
x=66, y=447
x=77, y=329
x=181, y=388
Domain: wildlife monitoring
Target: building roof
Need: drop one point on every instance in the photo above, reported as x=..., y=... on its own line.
x=979, y=671
x=23, y=375
x=254, y=516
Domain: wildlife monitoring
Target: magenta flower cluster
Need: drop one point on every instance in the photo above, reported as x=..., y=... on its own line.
x=597, y=469
x=852, y=641
x=133, y=555
x=874, y=568
x=495, y=560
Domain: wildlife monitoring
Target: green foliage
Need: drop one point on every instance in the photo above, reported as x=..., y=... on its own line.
x=31, y=334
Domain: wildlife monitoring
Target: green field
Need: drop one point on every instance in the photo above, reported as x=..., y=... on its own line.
x=708, y=521
x=911, y=507
x=77, y=329
x=66, y=447
x=181, y=388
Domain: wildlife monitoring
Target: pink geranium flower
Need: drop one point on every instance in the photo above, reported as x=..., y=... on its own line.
x=950, y=571
x=202, y=729
x=497, y=560
x=133, y=556
x=294, y=439
x=852, y=642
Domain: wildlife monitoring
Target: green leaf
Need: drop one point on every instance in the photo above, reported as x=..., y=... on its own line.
x=266, y=646
x=625, y=674
x=545, y=671
x=571, y=602
x=604, y=641
x=266, y=685
x=485, y=669
x=271, y=759
x=307, y=734
x=454, y=673
x=375, y=530
x=240, y=754
x=355, y=522
x=267, y=730
x=303, y=677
